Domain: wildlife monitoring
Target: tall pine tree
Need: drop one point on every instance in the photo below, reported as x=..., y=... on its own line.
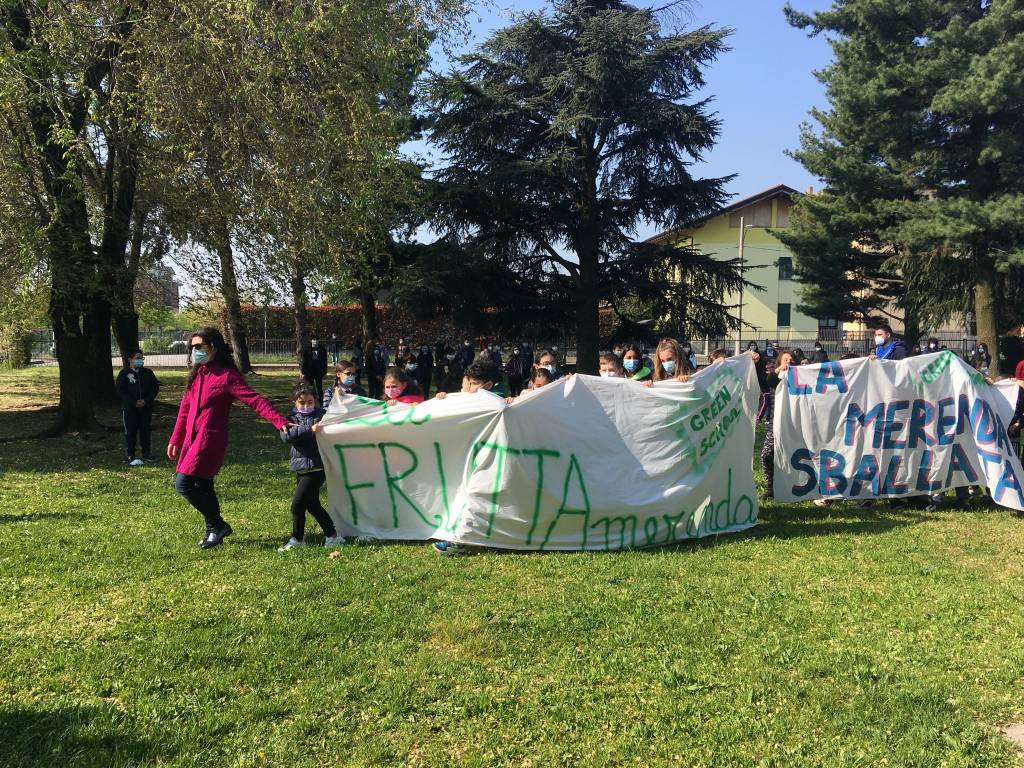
x=566, y=130
x=922, y=144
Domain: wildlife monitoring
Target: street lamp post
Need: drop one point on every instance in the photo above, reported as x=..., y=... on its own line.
x=739, y=301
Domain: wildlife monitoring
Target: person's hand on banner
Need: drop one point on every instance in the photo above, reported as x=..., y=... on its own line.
x=440, y=395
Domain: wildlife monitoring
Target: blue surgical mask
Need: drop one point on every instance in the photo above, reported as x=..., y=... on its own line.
x=551, y=367
x=138, y=362
x=306, y=410
x=631, y=364
x=669, y=366
x=199, y=356
x=410, y=367
x=349, y=381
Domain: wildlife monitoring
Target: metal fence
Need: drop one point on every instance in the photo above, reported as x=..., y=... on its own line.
x=170, y=348
x=835, y=342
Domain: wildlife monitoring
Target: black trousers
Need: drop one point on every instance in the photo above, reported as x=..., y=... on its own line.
x=199, y=492
x=307, y=499
x=318, y=385
x=137, y=423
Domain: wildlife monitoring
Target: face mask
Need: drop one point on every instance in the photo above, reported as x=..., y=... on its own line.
x=933, y=346
x=617, y=352
x=879, y=340
x=631, y=365
x=348, y=381
x=393, y=392
x=465, y=343
x=817, y=347
x=450, y=357
x=608, y=374
x=423, y=350
x=669, y=366
x=551, y=367
x=314, y=343
x=199, y=356
x=306, y=410
x=410, y=367
x=138, y=362
x=515, y=351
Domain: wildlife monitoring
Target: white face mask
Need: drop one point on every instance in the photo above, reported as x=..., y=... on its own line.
x=879, y=340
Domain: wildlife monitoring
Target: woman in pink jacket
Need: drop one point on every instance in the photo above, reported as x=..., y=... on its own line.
x=200, y=435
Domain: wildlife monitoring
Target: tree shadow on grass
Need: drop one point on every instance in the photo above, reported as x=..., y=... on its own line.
x=33, y=517
x=73, y=736
x=800, y=521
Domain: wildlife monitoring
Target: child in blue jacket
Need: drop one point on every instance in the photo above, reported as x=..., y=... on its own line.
x=308, y=468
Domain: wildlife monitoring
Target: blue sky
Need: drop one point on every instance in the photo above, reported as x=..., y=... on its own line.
x=763, y=88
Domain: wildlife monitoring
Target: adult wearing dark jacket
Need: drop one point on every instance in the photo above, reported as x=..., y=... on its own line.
x=518, y=370
x=376, y=364
x=819, y=355
x=888, y=347
x=425, y=369
x=313, y=365
x=466, y=354
x=137, y=387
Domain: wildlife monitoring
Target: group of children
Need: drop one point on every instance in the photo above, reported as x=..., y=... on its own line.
x=138, y=388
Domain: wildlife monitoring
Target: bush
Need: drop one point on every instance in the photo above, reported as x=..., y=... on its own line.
x=15, y=346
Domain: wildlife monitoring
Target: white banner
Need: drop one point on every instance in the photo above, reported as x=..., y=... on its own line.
x=863, y=428
x=586, y=463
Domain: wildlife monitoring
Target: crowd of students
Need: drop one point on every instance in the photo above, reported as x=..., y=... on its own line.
x=199, y=438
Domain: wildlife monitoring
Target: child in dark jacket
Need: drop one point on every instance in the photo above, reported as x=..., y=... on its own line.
x=137, y=387
x=346, y=382
x=308, y=468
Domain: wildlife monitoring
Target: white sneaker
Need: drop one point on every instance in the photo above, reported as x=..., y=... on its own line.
x=293, y=543
x=136, y=463
x=367, y=539
x=333, y=542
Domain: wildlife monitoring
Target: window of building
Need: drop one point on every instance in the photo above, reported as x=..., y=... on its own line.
x=785, y=268
x=827, y=322
x=784, y=315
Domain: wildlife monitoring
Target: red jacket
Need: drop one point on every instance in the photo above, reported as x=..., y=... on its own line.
x=410, y=399
x=201, y=430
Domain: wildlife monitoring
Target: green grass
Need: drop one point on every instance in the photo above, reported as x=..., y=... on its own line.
x=824, y=637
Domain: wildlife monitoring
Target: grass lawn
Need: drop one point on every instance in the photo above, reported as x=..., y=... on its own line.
x=824, y=637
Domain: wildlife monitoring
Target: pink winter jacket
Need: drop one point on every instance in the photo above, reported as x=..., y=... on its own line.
x=201, y=430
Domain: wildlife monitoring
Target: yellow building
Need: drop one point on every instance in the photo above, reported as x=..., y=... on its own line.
x=770, y=310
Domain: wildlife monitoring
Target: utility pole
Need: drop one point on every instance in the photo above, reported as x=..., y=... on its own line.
x=739, y=302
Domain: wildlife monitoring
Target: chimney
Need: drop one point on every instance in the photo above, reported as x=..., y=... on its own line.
x=810, y=190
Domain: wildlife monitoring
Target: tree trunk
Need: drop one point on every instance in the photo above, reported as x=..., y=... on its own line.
x=101, y=367
x=587, y=318
x=985, y=292
x=911, y=327
x=232, y=305
x=298, y=285
x=126, y=318
x=72, y=265
x=368, y=305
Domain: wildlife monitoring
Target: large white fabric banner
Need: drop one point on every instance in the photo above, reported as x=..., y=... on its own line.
x=863, y=428
x=585, y=463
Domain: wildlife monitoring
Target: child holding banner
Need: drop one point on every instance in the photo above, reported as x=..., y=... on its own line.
x=610, y=366
x=669, y=362
x=400, y=388
x=775, y=377
x=308, y=468
x=633, y=363
x=345, y=383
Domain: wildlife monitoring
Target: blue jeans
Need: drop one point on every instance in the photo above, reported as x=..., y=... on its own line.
x=199, y=492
